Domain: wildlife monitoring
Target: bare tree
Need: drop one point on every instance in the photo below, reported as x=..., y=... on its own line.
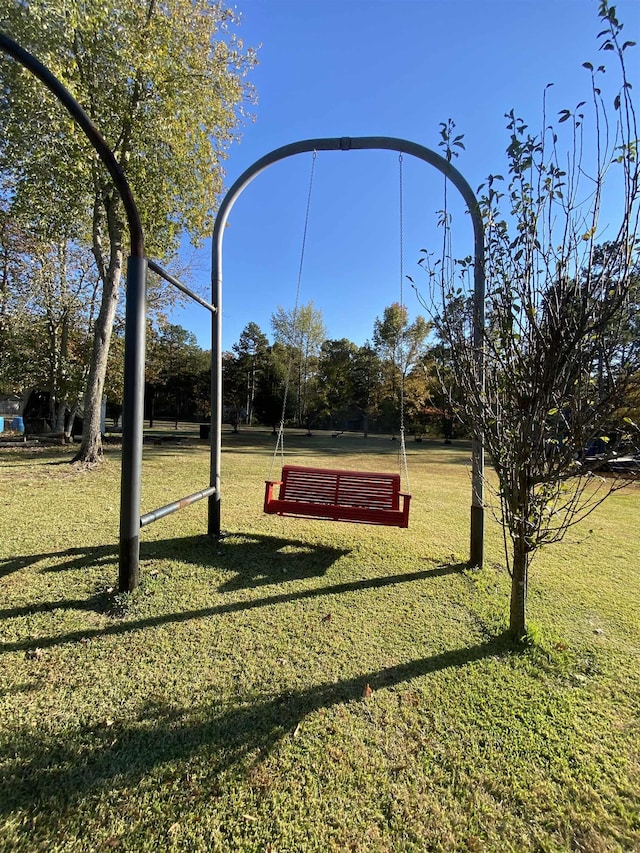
x=559, y=364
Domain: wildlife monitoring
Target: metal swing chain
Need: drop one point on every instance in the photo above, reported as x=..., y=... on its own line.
x=402, y=450
x=280, y=439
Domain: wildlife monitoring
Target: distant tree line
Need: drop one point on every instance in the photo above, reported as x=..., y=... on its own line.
x=318, y=382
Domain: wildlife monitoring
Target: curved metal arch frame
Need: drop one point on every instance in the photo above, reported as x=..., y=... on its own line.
x=135, y=322
x=347, y=144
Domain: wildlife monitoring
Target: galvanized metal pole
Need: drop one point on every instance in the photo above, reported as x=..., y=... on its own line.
x=132, y=424
x=347, y=143
x=214, y=521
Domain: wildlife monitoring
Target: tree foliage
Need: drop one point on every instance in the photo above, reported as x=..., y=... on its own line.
x=251, y=352
x=178, y=375
x=346, y=385
x=336, y=379
x=165, y=84
x=47, y=309
x=401, y=345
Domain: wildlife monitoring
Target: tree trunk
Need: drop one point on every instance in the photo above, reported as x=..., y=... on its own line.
x=91, y=446
x=519, y=583
x=106, y=211
x=252, y=392
x=60, y=416
x=68, y=431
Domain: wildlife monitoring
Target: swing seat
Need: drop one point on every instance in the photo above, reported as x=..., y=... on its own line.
x=325, y=493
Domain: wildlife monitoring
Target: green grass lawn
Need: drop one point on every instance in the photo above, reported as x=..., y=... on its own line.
x=303, y=685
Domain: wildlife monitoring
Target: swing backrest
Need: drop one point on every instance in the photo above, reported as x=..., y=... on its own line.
x=342, y=488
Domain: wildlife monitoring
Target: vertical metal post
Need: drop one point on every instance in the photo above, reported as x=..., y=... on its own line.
x=214, y=523
x=133, y=403
x=476, y=555
x=132, y=424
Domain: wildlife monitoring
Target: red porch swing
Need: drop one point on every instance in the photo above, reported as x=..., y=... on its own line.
x=330, y=494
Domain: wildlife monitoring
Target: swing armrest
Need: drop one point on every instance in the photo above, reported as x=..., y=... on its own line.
x=406, y=500
x=268, y=491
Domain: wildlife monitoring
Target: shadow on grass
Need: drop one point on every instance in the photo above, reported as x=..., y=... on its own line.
x=102, y=602
x=72, y=558
x=254, y=560
x=54, y=770
x=27, y=687
x=107, y=603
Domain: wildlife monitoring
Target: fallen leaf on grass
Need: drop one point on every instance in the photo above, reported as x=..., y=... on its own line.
x=34, y=654
x=327, y=618
x=366, y=692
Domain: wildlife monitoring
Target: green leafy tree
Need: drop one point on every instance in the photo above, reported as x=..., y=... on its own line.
x=165, y=84
x=336, y=379
x=233, y=389
x=367, y=383
x=63, y=307
x=17, y=369
x=251, y=351
x=421, y=395
x=272, y=381
x=400, y=345
x=179, y=365
x=47, y=307
x=303, y=332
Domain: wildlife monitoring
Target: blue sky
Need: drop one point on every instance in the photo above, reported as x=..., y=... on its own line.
x=379, y=68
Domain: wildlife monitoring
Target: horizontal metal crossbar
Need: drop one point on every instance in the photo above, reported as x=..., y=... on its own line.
x=167, y=509
x=183, y=287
